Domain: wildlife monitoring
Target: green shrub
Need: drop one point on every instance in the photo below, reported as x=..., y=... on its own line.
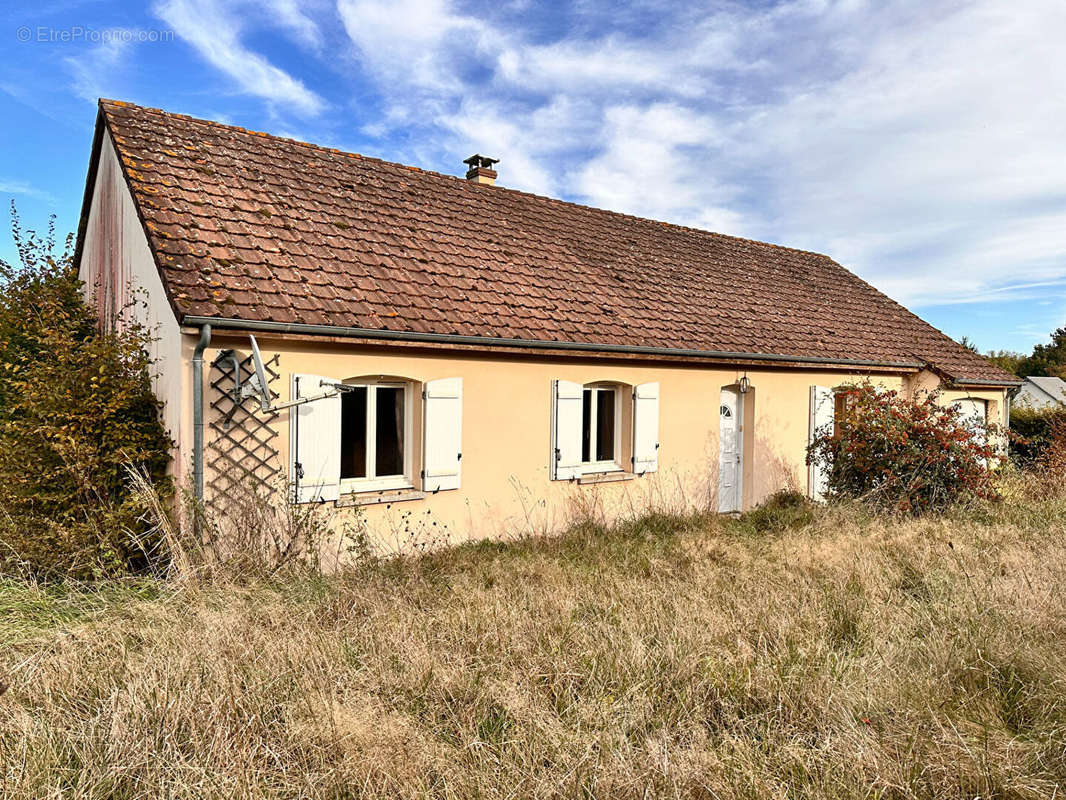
x=76, y=412
x=1032, y=432
x=904, y=454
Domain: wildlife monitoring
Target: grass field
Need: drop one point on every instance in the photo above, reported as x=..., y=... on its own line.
x=796, y=654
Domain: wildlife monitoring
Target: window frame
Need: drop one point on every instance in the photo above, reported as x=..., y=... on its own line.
x=614, y=464
x=374, y=482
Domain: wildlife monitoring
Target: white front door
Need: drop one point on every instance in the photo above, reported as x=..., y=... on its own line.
x=730, y=451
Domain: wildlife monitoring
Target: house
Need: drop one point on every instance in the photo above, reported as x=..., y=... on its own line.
x=1040, y=393
x=481, y=360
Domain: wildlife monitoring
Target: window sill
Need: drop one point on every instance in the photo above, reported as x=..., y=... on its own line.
x=392, y=483
x=605, y=477
x=372, y=498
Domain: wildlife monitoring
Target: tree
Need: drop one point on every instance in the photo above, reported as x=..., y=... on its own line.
x=1007, y=360
x=1047, y=359
x=1001, y=358
x=76, y=412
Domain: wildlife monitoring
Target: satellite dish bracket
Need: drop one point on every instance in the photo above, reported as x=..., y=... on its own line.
x=257, y=386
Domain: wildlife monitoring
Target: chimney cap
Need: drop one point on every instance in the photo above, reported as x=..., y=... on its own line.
x=481, y=170
x=479, y=161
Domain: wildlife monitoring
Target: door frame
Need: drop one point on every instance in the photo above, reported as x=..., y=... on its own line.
x=738, y=488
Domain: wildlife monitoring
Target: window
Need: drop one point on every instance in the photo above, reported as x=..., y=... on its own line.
x=358, y=436
x=373, y=436
x=603, y=427
x=598, y=425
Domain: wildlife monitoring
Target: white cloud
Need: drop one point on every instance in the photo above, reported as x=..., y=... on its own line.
x=609, y=64
x=212, y=28
x=916, y=141
x=481, y=129
x=932, y=156
x=93, y=70
x=290, y=16
x=414, y=43
x=23, y=188
x=644, y=168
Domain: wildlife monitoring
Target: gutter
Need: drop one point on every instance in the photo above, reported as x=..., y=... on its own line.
x=976, y=382
x=442, y=338
x=198, y=413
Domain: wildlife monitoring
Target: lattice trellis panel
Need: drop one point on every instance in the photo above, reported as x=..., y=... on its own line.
x=243, y=451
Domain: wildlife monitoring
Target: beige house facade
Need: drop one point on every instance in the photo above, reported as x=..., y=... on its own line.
x=435, y=384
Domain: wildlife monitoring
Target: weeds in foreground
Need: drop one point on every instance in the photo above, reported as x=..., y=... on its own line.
x=836, y=655
x=252, y=533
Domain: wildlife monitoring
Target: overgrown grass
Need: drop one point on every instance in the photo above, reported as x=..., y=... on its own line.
x=794, y=652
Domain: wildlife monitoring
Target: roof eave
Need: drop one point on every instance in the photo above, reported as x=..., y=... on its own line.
x=976, y=382
x=972, y=383
x=533, y=344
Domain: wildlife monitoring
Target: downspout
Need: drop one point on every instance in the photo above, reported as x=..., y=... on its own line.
x=198, y=413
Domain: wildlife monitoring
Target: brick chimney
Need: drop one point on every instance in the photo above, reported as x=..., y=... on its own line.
x=481, y=170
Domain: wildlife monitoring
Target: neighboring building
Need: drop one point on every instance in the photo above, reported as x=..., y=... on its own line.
x=505, y=358
x=1041, y=393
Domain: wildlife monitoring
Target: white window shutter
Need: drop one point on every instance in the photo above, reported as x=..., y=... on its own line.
x=972, y=412
x=821, y=420
x=442, y=434
x=566, y=430
x=646, y=428
x=314, y=442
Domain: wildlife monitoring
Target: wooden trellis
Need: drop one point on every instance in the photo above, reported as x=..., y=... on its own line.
x=242, y=451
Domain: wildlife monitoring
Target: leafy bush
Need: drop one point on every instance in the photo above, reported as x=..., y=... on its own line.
x=76, y=412
x=1044, y=459
x=1032, y=431
x=909, y=455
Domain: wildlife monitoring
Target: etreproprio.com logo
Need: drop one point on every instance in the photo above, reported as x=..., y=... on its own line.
x=78, y=33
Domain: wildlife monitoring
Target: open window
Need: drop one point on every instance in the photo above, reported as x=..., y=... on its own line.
x=600, y=428
x=365, y=438
x=375, y=436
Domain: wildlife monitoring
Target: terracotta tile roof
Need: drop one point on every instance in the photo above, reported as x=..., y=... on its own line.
x=253, y=227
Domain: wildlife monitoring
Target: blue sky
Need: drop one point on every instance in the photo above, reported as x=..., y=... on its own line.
x=919, y=142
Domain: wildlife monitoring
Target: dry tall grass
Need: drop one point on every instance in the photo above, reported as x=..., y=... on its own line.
x=825, y=654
